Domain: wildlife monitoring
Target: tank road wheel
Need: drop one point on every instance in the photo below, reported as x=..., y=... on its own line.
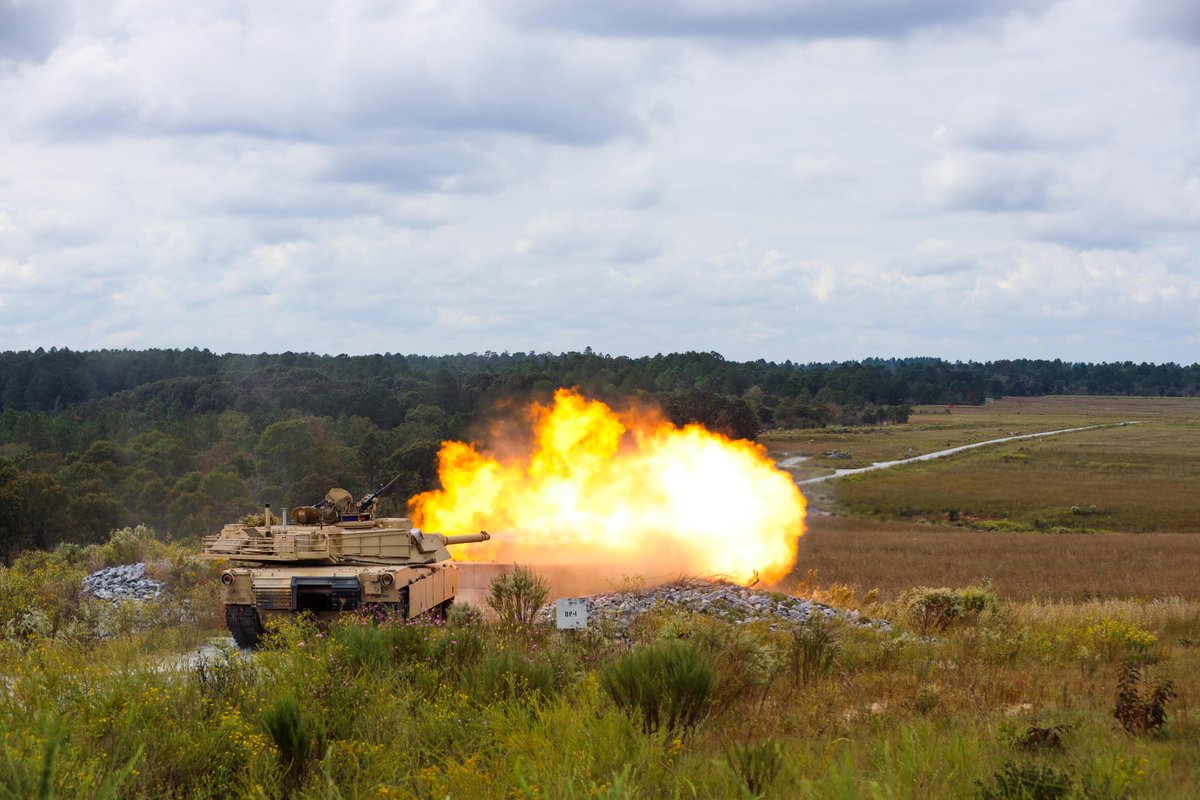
x=244, y=624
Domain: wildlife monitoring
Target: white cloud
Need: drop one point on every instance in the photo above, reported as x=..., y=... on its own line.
x=964, y=180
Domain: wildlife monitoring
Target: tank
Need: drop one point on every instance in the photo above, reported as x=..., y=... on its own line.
x=329, y=558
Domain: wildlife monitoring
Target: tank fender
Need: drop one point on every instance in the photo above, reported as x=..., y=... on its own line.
x=435, y=586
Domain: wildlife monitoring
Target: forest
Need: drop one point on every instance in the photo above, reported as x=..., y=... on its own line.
x=185, y=440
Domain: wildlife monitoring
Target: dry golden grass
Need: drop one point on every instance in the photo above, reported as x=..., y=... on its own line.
x=1142, y=478
x=894, y=557
x=932, y=428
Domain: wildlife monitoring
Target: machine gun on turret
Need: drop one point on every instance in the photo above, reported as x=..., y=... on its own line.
x=368, y=502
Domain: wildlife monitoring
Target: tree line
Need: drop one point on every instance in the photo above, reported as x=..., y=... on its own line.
x=184, y=440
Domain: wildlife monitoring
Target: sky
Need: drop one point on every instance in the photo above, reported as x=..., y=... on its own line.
x=777, y=179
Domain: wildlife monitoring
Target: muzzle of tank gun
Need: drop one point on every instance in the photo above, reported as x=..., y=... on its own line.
x=467, y=538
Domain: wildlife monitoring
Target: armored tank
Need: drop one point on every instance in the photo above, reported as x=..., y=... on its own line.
x=332, y=557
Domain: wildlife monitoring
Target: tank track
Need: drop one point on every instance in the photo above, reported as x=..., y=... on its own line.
x=244, y=624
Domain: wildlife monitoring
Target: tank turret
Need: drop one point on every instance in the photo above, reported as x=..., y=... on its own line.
x=331, y=557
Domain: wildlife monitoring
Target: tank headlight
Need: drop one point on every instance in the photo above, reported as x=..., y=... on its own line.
x=387, y=579
x=227, y=578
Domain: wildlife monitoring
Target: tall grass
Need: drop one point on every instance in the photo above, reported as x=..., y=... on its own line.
x=666, y=684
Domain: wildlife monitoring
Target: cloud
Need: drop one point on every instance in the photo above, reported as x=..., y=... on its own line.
x=963, y=182
x=146, y=72
x=29, y=29
x=761, y=19
x=1177, y=19
x=759, y=180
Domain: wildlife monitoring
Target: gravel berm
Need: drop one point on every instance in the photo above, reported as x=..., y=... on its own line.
x=716, y=598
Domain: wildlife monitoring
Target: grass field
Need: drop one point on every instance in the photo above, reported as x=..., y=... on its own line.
x=1001, y=701
x=1104, y=513
x=939, y=427
x=1070, y=561
x=1136, y=478
x=896, y=556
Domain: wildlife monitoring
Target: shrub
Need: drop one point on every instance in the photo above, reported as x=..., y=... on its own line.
x=365, y=645
x=811, y=653
x=223, y=676
x=128, y=546
x=458, y=649
x=1037, y=739
x=1137, y=713
x=463, y=615
x=667, y=684
x=39, y=596
x=293, y=735
x=757, y=765
x=517, y=596
x=927, y=698
x=934, y=610
x=1026, y=782
x=1117, y=640
x=746, y=659
x=509, y=675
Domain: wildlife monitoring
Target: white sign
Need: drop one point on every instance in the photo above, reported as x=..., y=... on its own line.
x=571, y=613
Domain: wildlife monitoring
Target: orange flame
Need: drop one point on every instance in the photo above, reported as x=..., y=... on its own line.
x=621, y=491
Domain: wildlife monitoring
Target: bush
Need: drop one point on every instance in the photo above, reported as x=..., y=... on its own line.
x=458, y=649
x=811, y=653
x=1116, y=640
x=747, y=659
x=509, y=675
x=39, y=596
x=934, y=610
x=1026, y=782
x=1138, y=714
x=463, y=615
x=365, y=645
x=756, y=765
x=667, y=684
x=293, y=735
x=517, y=596
x=128, y=546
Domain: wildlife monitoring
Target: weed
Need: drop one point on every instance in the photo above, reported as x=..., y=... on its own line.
x=756, y=765
x=292, y=732
x=667, y=684
x=365, y=645
x=223, y=675
x=927, y=698
x=463, y=615
x=812, y=652
x=933, y=610
x=1140, y=714
x=1036, y=739
x=1026, y=781
x=1118, y=640
x=511, y=675
x=517, y=596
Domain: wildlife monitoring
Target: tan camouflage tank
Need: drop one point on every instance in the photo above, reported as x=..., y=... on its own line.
x=332, y=557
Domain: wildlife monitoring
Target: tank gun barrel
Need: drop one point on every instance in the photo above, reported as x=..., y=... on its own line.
x=464, y=538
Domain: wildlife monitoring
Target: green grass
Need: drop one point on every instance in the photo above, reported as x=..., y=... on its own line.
x=886, y=714
x=1136, y=478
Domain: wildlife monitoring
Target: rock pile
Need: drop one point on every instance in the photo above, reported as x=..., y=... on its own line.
x=721, y=599
x=126, y=582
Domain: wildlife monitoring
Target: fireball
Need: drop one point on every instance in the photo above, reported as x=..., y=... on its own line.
x=628, y=492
